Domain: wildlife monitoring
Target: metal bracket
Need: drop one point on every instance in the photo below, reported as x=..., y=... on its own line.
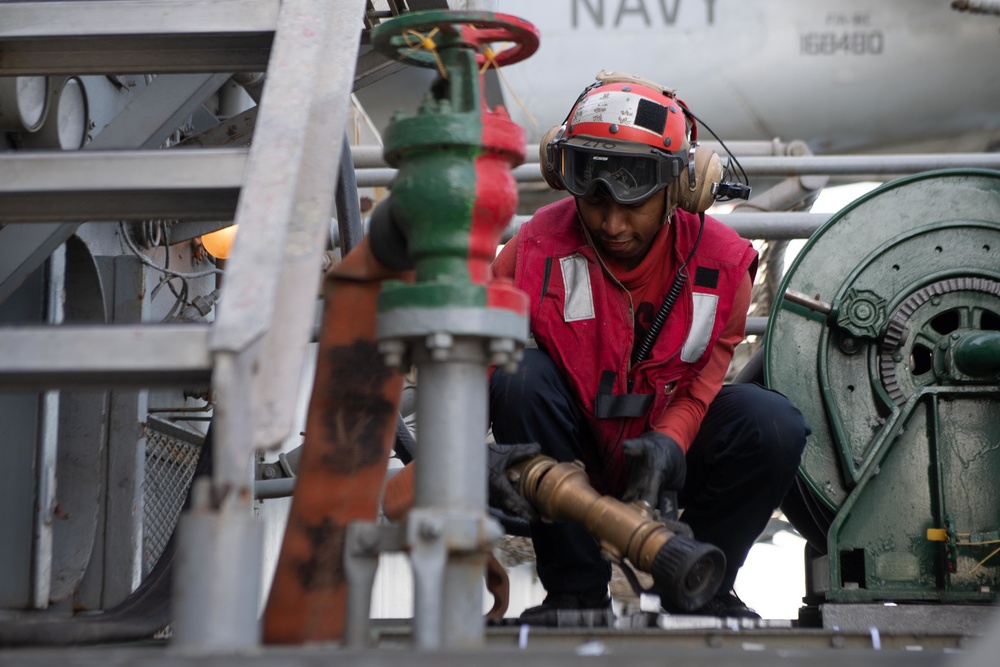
x=432, y=536
x=363, y=542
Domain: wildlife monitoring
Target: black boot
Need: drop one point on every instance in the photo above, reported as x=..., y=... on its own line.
x=726, y=605
x=587, y=609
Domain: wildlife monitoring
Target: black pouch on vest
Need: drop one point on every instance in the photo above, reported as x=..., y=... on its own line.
x=611, y=406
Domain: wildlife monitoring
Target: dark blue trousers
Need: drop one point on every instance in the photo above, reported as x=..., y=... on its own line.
x=739, y=467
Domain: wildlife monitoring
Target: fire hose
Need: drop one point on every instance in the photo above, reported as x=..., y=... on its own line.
x=686, y=573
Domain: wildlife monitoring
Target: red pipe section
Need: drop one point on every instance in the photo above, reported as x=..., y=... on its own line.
x=350, y=428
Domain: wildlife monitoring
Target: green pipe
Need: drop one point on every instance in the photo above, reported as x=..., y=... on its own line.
x=977, y=353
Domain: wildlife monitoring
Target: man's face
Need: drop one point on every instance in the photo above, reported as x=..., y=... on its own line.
x=622, y=232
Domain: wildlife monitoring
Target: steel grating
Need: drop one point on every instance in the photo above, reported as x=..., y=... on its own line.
x=171, y=459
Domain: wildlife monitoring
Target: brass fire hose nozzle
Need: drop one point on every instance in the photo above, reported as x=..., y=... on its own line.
x=686, y=573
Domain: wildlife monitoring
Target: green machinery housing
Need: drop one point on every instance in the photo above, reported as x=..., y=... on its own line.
x=888, y=340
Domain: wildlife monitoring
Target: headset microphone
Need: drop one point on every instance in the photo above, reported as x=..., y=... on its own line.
x=730, y=190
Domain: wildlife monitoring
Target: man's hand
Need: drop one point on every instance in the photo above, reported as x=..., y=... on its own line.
x=503, y=495
x=656, y=462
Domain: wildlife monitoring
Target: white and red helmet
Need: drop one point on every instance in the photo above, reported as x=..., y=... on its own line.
x=625, y=134
x=623, y=109
x=633, y=138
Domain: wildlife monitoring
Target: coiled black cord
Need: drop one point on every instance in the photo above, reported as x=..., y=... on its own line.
x=641, y=353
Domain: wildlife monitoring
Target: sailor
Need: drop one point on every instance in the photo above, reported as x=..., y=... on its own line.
x=638, y=300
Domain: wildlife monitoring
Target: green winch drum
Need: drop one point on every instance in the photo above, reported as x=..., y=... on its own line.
x=900, y=383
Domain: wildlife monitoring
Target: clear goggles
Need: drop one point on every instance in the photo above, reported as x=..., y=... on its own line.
x=631, y=172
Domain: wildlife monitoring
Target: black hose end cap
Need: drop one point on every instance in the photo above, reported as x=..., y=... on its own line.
x=687, y=573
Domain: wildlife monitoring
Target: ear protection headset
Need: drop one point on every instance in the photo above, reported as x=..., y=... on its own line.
x=620, y=108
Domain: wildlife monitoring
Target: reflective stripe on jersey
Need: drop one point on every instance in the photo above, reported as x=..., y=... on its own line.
x=579, y=299
x=702, y=324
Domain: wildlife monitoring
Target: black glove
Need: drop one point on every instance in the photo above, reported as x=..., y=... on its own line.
x=503, y=495
x=656, y=462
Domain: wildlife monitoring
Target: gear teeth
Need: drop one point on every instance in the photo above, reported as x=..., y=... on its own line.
x=893, y=338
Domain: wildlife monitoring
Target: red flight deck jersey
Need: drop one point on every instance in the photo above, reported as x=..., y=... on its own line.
x=587, y=314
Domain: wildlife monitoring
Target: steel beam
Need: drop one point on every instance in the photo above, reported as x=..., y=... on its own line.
x=115, y=185
x=774, y=226
x=370, y=156
x=115, y=36
x=94, y=356
x=117, y=562
x=865, y=165
x=260, y=338
x=551, y=647
x=287, y=202
x=53, y=187
x=765, y=154
x=156, y=113
x=821, y=165
x=756, y=326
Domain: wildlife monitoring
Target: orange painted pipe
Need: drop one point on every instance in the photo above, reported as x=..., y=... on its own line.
x=350, y=428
